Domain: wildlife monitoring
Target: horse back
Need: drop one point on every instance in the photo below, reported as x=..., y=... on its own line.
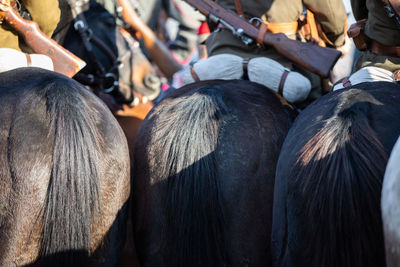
x=60, y=159
x=204, y=172
x=329, y=174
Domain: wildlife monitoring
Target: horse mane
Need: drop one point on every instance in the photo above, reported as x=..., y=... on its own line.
x=185, y=138
x=339, y=174
x=73, y=191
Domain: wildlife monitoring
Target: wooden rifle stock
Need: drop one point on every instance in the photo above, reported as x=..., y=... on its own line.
x=158, y=51
x=64, y=61
x=319, y=60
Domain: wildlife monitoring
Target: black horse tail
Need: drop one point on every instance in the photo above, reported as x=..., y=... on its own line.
x=340, y=172
x=188, y=129
x=73, y=191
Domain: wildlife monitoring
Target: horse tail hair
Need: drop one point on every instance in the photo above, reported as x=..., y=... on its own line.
x=339, y=173
x=194, y=234
x=73, y=191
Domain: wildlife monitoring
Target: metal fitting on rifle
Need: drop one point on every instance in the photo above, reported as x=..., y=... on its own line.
x=256, y=21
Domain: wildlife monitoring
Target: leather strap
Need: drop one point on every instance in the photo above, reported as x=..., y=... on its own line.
x=245, y=65
x=384, y=50
x=28, y=60
x=346, y=82
x=287, y=28
x=239, y=9
x=261, y=32
x=282, y=82
x=193, y=73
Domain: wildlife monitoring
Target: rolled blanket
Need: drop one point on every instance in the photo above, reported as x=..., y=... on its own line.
x=223, y=66
x=270, y=73
x=366, y=74
x=265, y=71
x=13, y=59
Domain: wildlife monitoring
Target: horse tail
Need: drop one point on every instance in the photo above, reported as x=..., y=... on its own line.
x=73, y=190
x=188, y=131
x=339, y=173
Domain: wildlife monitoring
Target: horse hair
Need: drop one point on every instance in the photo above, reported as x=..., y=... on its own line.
x=195, y=230
x=339, y=173
x=73, y=191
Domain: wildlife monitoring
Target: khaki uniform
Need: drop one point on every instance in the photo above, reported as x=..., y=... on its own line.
x=44, y=12
x=330, y=14
x=380, y=28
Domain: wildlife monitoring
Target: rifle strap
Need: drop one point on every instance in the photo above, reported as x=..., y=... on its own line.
x=261, y=32
x=239, y=9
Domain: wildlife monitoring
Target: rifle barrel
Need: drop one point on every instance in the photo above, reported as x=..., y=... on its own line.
x=317, y=59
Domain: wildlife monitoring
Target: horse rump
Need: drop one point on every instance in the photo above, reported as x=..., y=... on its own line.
x=204, y=169
x=64, y=151
x=329, y=178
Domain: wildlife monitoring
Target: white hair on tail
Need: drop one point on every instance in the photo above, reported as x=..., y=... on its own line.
x=223, y=66
x=13, y=59
x=269, y=73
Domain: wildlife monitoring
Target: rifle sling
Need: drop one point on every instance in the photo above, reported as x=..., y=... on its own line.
x=261, y=32
x=239, y=9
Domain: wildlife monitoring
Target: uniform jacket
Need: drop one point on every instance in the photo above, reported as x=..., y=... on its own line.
x=380, y=28
x=44, y=12
x=330, y=13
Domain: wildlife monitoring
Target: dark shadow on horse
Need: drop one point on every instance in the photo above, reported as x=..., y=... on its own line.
x=329, y=179
x=204, y=168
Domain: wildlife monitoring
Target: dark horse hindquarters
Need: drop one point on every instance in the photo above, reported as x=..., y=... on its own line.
x=329, y=175
x=64, y=173
x=204, y=172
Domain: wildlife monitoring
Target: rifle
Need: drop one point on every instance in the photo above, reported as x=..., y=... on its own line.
x=157, y=50
x=64, y=61
x=316, y=59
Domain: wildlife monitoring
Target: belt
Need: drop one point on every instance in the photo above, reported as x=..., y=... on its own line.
x=384, y=50
x=287, y=28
